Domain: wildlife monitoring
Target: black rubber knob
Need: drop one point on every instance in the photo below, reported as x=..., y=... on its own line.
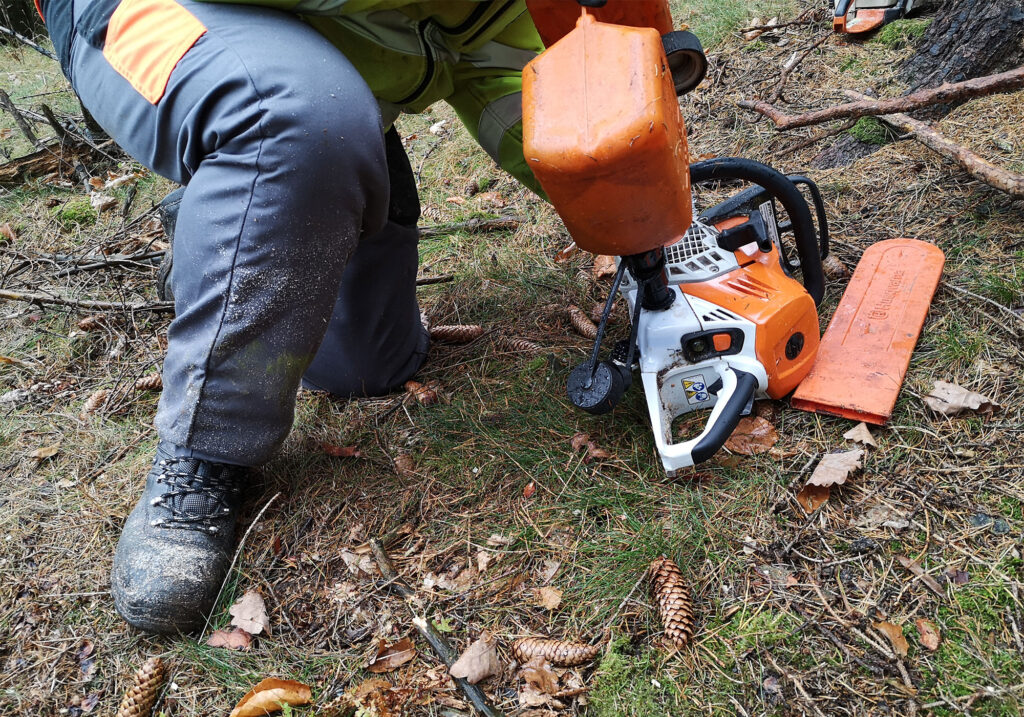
x=686, y=60
x=598, y=393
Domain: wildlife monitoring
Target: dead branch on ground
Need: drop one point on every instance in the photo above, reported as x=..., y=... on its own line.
x=795, y=63
x=947, y=93
x=428, y=631
x=27, y=42
x=156, y=306
x=472, y=225
x=975, y=165
x=19, y=119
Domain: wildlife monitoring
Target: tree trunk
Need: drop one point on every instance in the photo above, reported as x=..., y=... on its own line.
x=968, y=38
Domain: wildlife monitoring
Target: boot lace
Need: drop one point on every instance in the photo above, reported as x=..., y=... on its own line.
x=198, y=495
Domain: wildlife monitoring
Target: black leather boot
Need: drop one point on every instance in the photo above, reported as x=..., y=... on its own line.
x=168, y=211
x=176, y=546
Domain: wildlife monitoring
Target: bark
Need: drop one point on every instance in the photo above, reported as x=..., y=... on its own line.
x=968, y=38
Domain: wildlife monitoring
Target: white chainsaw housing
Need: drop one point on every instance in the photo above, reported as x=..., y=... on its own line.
x=672, y=385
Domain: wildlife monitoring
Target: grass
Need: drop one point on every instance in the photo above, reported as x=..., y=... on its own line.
x=783, y=627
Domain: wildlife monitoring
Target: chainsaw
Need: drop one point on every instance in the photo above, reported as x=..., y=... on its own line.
x=717, y=317
x=858, y=16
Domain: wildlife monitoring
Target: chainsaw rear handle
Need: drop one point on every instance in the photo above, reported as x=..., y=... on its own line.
x=782, y=188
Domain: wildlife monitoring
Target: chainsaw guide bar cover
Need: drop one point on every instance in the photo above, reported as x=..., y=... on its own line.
x=866, y=349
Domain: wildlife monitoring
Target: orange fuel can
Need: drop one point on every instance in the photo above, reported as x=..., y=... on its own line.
x=604, y=136
x=555, y=18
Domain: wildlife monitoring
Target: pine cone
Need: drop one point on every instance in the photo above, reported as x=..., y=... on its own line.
x=675, y=608
x=91, y=323
x=458, y=334
x=522, y=346
x=558, y=652
x=152, y=382
x=582, y=323
x=94, y=403
x=141, y=696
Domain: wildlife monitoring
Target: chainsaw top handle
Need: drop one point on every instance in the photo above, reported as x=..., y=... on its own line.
x=782, y=188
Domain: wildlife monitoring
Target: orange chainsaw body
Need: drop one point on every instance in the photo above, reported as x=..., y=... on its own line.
x=554, y=19
x=780, y=307
x=609, y=146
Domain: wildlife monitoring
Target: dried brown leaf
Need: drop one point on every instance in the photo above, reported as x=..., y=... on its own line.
x=550, y=568
x=895, y=635
x=950, y=399
x=270, y=696
x=538, y=674
x=812, y=497
x=529, y=490
x=8, y=232
x=492, y=198
x=579, y=440
x=237, y=639
x=391, y=657
x=835, y=468
x=424, y=393
x=483, y=560
x=45, y=452
x=604, y=267
x=753, y=435
x=479, y=661
x=860, y=434
x=250, y=614
x=341, y=451
x=547, y=597
x=929, y=634
x=497, y=539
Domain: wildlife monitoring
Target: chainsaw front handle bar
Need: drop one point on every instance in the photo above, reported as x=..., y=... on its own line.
x=782, y=188
x=734, y=399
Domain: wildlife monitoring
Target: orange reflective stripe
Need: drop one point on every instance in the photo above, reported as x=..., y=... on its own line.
x=39, y=10
x=145, y=41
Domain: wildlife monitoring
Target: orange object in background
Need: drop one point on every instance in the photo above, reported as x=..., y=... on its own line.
x=866, y=349
x=866, y=21
x=556, y=18
x=603, y=134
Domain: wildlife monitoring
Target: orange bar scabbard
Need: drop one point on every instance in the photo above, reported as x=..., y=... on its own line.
x=866, y=349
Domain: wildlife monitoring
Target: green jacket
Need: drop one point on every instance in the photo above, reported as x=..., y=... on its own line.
x=413, y=53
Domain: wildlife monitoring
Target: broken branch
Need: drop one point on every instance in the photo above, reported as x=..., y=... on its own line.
x=472, y=225
x=975, y=165
x=25, y=41
x=19, y=119
x=426, y=628
x=946, y=93
x=84, y=304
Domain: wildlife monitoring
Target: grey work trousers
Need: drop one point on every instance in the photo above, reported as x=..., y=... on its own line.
x=295, y=251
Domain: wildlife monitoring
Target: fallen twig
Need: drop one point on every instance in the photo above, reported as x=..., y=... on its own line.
x=428, y=631
x=27, y=42
x=429, y=280
x=815, y=138
x=975, y=165
x=472, y=225
x=945, y=93
x=19, y=119
x=84, y=304
x=790, y=66
x=112, y=261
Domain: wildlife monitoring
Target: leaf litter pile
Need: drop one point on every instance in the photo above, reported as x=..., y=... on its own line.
x=823, y=567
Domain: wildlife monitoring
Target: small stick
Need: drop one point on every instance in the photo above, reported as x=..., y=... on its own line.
x=19, y=119
x=83, y=304
x=428, y=631
x=113, y=261
x=943, y=94
x=788, y=70
x=62, y=134
x=473, y=225
x=814, y=139
x=978, y=167
x=428, y=281
x=25, y=41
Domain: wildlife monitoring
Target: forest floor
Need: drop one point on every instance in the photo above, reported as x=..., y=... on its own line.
x=484, y=494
